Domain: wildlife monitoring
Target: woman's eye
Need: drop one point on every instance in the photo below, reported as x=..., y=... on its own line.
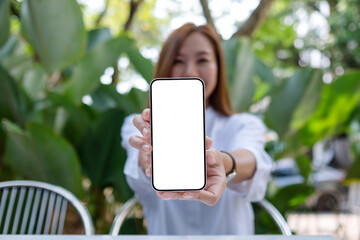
x=202, y=60
x=178, y=61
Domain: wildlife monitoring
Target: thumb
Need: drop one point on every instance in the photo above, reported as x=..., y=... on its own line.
x=209, y=143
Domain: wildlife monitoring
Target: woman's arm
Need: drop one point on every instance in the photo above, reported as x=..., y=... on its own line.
x=245, y=164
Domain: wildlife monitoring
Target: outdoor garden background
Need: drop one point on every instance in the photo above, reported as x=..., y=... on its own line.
x=70, y=71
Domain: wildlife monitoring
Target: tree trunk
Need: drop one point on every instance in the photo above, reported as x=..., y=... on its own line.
x=255, y=20
x=133, y=7
x=102, y=14
x=207, y=14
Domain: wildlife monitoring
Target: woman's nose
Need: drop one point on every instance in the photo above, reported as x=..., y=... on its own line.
x=190, y=71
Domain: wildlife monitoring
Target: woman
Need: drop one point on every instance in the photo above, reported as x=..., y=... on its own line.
x=221, y=207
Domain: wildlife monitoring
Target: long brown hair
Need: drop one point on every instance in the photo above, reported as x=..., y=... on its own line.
x=219, y=99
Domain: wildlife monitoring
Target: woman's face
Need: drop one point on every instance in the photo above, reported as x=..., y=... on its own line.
x=196, y=58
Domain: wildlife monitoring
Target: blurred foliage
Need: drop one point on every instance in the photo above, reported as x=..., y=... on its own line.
x=61, y=124
x=146, y=28
x=41, y=155
x=4, y=21
x=47, y=132
x=55, y=50
x=304, y=101
x=330, y=27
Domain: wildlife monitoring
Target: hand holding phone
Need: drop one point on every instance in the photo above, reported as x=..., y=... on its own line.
x=215, y=181
x=178, y=134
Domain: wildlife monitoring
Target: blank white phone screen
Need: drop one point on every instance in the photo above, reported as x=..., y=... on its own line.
x=178, y=134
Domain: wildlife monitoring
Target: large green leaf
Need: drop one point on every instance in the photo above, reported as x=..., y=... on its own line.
x=142, y=65
x=75, y=120
x=230, y=48
x=265, y=80
x=87, y=73
x=106, y=97
x=102, y=156
x=96, y=37
x=265, y=73
x=338, y=101
x=55, y=30
x=16, y=59
x=303, y=163
x=241, y=74
x=9, y=98
x=295, y=100
x=290, y=197
x=39, y=154
x=4, y=21
x=134, y=101
x=309, y=101
x=138, y=98
x=34, y=83
x=8, y=47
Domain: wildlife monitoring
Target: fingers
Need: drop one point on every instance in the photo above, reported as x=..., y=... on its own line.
x=142, y=125
x=177, y=195
x=210, y=157
x=204, y=196
x=208, y=142
x=140, y=143
x=146, y=163
x=143, y=143
x=146, y=114
x=148, y=171
x=171, y=195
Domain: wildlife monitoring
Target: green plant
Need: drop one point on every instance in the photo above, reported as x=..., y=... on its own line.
x=302, y=111
x=47, y=132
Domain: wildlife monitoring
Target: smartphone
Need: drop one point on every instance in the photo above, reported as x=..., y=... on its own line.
x=178, y=134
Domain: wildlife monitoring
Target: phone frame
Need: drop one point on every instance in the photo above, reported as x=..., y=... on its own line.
x=204, y=134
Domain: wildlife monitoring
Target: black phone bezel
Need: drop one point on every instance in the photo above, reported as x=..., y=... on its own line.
x=151, y=127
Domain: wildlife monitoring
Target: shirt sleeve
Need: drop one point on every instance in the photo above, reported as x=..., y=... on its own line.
x=250, y=135
x=135, y=176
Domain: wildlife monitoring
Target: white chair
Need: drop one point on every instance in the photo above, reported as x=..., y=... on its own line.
x=32, y=207
x=127, y=208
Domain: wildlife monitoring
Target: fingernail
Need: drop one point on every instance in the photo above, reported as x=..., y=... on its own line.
x=145, y=132
x=146, y=147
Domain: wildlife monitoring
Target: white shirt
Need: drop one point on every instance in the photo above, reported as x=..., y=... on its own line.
x=233, y=213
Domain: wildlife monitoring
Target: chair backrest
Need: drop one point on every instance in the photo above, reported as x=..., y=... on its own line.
x=276, y=216
x=127, y=208
x=32, y=207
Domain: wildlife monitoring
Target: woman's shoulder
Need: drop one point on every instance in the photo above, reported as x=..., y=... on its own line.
x=239, y=119
x=242, y=118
